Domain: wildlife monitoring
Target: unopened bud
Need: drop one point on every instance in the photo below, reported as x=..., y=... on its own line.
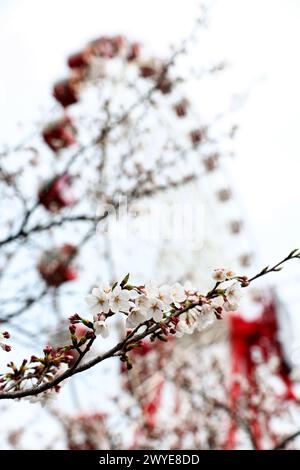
x=34, y=359
x=48, y=349
x=74, y=318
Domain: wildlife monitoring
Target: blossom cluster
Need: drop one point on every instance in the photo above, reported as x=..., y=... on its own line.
x=160, y=311
x=182, y=305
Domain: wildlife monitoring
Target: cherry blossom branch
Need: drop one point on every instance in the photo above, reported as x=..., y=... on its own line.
x=286, y=441
x=277, y=267
x=186, y=308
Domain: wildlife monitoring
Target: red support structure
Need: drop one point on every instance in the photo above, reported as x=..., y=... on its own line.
x=246, y=338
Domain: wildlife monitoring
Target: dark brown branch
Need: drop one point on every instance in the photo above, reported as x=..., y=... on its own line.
x=277, y=267
x=286, y=441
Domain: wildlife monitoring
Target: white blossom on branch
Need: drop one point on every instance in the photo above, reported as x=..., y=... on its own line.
x=181, y=315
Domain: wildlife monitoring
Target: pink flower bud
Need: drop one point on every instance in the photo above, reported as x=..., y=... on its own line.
x=34, y=359
x=74, y=318
x=48, y=349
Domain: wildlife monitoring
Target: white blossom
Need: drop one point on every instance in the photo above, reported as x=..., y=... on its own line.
x=43, y=398
x=188, y=287
x=219, y=275
x=230, y=274
x=135, y=318
x=217, y=301
x=101, y=329
x=190, y=292
x=156, y=309
x=178, y=294
x=98, y=300
x=183, y=328
x=233, y=293
x=142, y=302
x=151, y=290
x=206, y=309
x=187, y=322
x=194, y=319
x=206, y=317
x=120, y=300
x=165, y=295
x=231, y=306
